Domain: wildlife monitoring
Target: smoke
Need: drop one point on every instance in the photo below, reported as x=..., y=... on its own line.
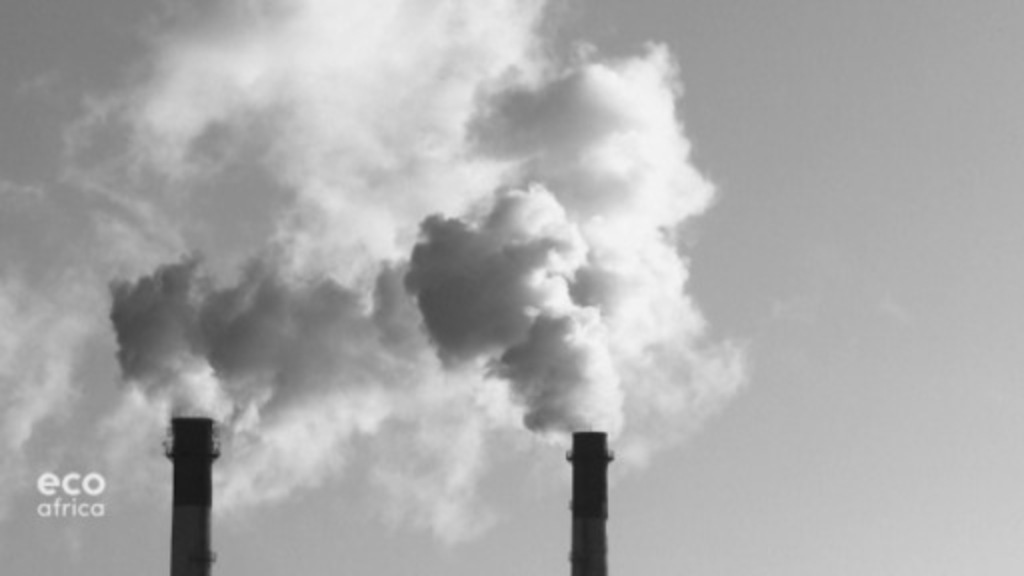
x=571, y=288
x=501, y=289
x=294, y=367
x=278, y=338
x=268, y=339
x=359, y=108
x=479, y=238
x=41, y=335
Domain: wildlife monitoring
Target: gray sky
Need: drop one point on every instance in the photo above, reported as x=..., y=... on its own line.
x=864, y=250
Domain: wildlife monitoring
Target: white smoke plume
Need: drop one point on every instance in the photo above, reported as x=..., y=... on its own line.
x=466, y=212
x=293, y=367
x=268, y=339
x=501, y=289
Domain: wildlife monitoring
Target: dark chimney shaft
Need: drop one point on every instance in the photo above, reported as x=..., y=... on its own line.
x=192, y=447
x=590, y=458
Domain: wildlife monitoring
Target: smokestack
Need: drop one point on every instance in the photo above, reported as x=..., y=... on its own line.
x=590, y=458
x=193, y=447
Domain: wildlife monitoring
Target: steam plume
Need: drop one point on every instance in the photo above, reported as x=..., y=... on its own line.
x=465, y=212
x=569, y=286
x=278, y=338
x=501, y=289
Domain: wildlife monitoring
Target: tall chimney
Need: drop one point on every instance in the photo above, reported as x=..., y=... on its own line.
x=590, y=458
x=192, y=446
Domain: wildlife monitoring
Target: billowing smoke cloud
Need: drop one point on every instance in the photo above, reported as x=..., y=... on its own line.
x=501, y=289
x=567, y=289
x=468, y=216
x=362, y=109
x=268, y=338
x=294, y=367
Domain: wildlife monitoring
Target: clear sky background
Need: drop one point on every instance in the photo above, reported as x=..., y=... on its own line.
x=865, y=247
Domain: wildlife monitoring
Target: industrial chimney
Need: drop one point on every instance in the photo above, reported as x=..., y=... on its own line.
x=192, y=446
x=590, y=458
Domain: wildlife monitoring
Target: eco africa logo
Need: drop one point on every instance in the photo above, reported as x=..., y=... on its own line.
x=73, y=495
